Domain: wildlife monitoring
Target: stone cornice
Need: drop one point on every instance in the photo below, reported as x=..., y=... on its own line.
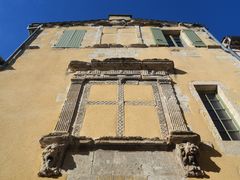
x=118, y=22
x=123, y=64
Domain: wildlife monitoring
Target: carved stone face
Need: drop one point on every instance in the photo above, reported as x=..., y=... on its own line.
x=193, y=149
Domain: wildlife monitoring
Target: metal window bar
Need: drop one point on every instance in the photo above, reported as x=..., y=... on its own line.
x=218, y=118
x=221, y=119
x=176, y=41
x=228, y=113
x=169, y=41
x=172, y=39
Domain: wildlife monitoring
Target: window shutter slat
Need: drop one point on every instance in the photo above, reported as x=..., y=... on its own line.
x=159, y=37
x=65, y=38
x=193, y=37
x=71, y=39
x=76, y=39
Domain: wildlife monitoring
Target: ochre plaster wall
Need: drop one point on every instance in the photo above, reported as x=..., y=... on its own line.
x=33, y=92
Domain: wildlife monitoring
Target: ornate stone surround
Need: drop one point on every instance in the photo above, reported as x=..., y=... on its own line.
x=120, y=71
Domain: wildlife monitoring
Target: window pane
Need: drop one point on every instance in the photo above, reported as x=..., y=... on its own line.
x=229, y=125
x=207, y=105
x=224, y=136
x=178, y=41
x=216, y=104
x=202, y=96
x=213, y=115
x=169, y=41
x=222, y=114
x=211, y=96
x=218, y=125
x=235, y=135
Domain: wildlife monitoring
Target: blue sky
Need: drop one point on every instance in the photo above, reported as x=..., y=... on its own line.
x=219, y=16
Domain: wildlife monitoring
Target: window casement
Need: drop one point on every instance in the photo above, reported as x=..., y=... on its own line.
x=221, y=117
x=173, y=39
x=70, y=39
x=167, y=38
x=176, y=38
x=192, y=37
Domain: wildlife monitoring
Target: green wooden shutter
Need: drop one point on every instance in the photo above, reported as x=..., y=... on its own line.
x=71, y=39
x=159, y=37
x=196, y=41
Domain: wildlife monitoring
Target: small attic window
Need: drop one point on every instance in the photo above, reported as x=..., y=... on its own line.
x=117, y=17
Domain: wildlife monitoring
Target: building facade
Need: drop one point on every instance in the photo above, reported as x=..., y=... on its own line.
x=120, y=98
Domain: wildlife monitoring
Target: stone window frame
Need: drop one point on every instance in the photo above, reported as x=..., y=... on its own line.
x=227, y=147
x=121, y=69
x=179, y=136
x=171, y=118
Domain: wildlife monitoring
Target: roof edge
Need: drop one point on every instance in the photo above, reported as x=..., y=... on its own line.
x=121, y=22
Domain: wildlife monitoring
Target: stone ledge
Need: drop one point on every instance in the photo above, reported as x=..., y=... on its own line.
x=123, y=64
x=177, y=137
x=107, y=142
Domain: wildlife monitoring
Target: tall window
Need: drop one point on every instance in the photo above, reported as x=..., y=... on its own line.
x=221, y=117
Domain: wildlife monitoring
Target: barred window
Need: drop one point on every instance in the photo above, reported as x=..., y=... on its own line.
x=220, y=115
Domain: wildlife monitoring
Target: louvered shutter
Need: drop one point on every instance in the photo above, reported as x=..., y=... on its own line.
x=193, y=37
x=159, y=37
x=71, y=39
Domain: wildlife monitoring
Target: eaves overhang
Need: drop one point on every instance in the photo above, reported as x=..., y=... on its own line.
x=119, y=22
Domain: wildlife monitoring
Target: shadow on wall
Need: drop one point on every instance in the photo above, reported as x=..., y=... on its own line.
x=179, y=71
x=69, y=163
x=205, y=162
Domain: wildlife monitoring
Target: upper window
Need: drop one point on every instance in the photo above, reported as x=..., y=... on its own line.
x=173, y=38
x=167, y=38
x=220, y=115
x=70, y=39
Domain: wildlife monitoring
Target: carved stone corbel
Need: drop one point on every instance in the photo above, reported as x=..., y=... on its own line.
x=52, y=158
x=189, y=154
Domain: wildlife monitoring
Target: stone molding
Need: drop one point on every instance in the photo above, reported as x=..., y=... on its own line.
x=123, y=64
x=154, y=72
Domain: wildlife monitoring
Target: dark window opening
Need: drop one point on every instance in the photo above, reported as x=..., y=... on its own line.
x=221, y=117
x=173, y=38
